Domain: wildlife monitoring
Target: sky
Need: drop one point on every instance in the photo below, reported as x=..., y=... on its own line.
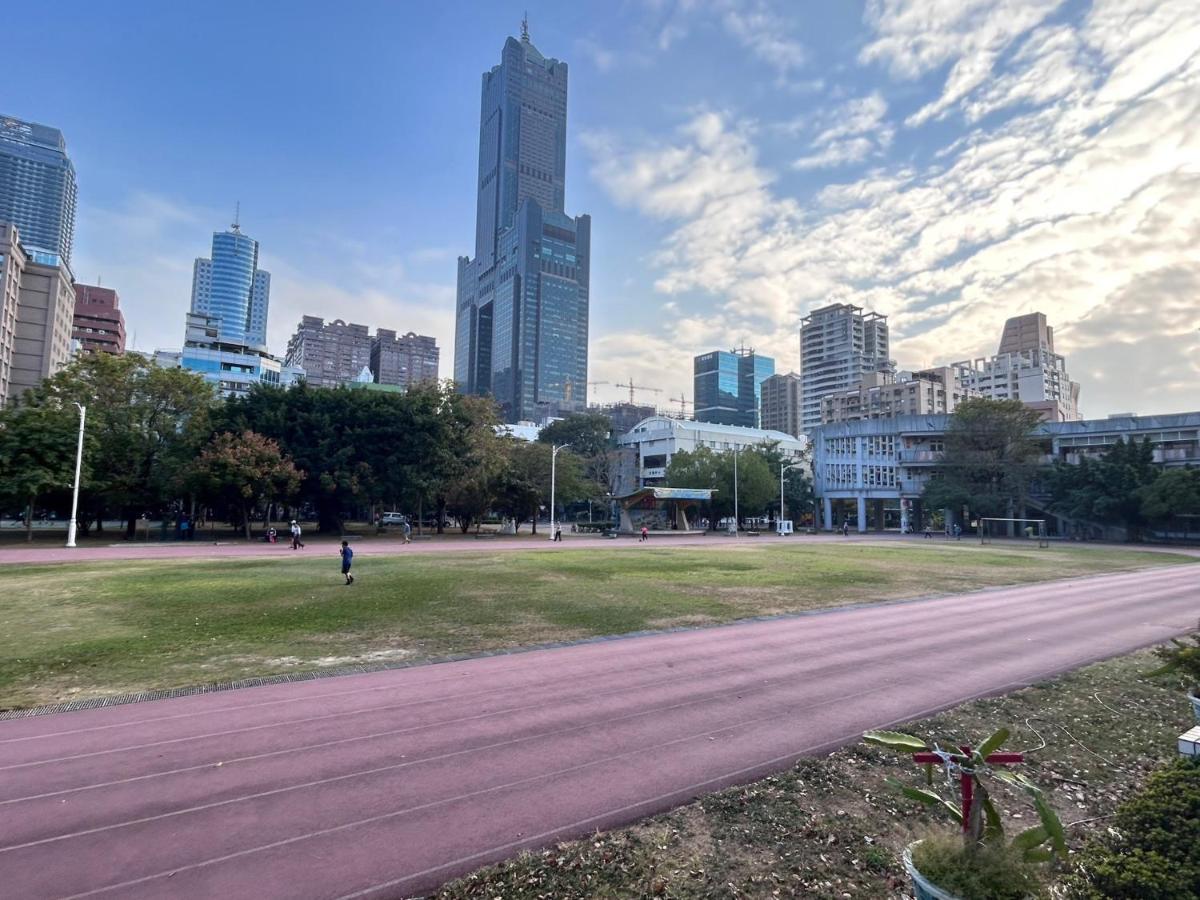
x=948, y=163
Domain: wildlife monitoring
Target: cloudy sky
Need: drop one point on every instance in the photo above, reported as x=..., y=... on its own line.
x=946, y=162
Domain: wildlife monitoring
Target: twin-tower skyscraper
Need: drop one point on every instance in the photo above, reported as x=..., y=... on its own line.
x=521, y=332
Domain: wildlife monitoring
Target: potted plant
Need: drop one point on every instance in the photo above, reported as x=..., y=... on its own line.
x=1183, y=657
x=983, y=863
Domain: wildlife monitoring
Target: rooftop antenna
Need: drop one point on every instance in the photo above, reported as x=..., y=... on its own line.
x=525, y=27
x=237, y=217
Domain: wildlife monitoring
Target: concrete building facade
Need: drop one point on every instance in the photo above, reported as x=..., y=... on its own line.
x=781, y=404
x=521, y=329
x=656, y=439
x=330, y=353
x=37, y=189
x=727, y=386
x=839, y=344
x=232, y=367
x=1026, y=368
x=404, y=360
x=872, y=472
x=882, y=395
x=99, y=324
x=35, y=321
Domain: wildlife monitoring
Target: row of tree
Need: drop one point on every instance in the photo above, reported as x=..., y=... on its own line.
x=159, y=442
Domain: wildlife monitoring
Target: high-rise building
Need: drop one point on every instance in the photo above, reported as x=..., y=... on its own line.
x=1025, y=369
x=882, y=395
x=780, y=410
x=727, y=385
x=230, y=286
x=521, y=327
x=336, y=353
x=39, y=342
x=331, y=354
x=839, y=344
x=404, y=360
x=99, y=324
x=37, y=189
x=232, y=367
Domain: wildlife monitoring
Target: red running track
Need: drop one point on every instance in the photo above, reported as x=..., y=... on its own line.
x=387, y=784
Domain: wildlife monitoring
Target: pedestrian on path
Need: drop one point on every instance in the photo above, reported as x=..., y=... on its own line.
x=347, y=558
x=296, y=542
x=645, y=536
x=407, y=532
x=957, y=532
x=845, y=528
x=558, y=533
x=928, y=531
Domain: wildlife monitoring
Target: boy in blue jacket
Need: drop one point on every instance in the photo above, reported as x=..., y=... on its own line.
x=347, y=558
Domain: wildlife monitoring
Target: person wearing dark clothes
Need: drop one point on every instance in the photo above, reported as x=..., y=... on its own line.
x=347, y=559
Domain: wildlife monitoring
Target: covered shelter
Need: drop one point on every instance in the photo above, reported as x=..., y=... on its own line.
x=661, y=508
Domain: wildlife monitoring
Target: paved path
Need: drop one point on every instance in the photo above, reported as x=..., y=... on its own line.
x=455, y=543
x=385, y=785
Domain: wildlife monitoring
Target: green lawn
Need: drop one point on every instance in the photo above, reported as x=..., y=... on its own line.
x=76, y=631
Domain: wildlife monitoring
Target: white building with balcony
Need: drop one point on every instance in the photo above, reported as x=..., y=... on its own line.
x=655, y=440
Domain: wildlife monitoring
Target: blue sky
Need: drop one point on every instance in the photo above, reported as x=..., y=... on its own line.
x=946, y=162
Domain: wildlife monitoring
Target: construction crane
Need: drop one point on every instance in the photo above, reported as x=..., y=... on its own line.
x=594, y=383
x=684, y=403
x=637, y=387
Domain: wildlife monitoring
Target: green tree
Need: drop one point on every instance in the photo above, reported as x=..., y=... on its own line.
x=1176, y=492
x=702, y=468
x=37, y=455
x=1108, y=490
x=243, y=471
x=144, y=423
x=989, y=461
x=525, y=484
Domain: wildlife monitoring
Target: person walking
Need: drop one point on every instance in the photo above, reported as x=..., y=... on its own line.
x=957, y=532
x=347, y=558
x=845, y=528
x=645, y=536
x=407, y=532
x=928, y=532
x=557, y=533
x=296, y=542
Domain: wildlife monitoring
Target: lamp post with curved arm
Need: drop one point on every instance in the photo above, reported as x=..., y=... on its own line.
x=784, y=467
x=553, y=462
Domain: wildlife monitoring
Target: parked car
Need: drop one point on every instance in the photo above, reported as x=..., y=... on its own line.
x=392, y=518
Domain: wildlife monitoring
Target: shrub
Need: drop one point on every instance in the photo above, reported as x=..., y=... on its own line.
x=985, y=872
x=1180, y=656
x=1151, y=850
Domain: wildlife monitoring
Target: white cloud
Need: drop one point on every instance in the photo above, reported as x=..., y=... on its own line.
x=849, y=134
x=1079, y=201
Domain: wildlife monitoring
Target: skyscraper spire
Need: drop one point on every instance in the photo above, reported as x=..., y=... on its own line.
x=525, y=28
x=237, y=217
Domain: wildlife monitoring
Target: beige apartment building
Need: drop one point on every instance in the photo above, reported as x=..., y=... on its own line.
x=882, y=395
x=36, y=319
x=782, y=409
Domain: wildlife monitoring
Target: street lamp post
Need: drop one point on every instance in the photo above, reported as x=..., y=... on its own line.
x=784, y=467
x=553, y=472
x=78, y=468
x=735, y=491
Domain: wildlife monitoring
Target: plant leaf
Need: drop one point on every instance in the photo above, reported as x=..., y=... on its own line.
x=895, y=740
x=1016, y=779
x=1038, y=855
x=1053, y=826
x=929, y=798
x=992, y=744
x=994, y=829
x=1030, y=838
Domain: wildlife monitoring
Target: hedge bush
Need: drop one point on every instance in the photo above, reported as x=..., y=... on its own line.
x=1151, y=850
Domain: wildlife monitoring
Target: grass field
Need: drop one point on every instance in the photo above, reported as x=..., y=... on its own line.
x=78, y=631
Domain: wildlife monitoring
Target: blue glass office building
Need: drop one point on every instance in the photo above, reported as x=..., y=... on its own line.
x=727, y=385
x=521, y=330
x=37, y=189
x=231, y=288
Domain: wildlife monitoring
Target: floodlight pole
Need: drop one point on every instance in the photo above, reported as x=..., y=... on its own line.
x=553, y=473
x=78, y=468
x=735, y=491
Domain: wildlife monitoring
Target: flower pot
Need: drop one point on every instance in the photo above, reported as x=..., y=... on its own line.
x=1194, y=696
x=923, y=888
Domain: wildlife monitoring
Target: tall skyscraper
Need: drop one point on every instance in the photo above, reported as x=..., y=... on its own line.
x=727, y=385
x=839, y=344
x=231, y=287
x=37, y=189
x=522, y=308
